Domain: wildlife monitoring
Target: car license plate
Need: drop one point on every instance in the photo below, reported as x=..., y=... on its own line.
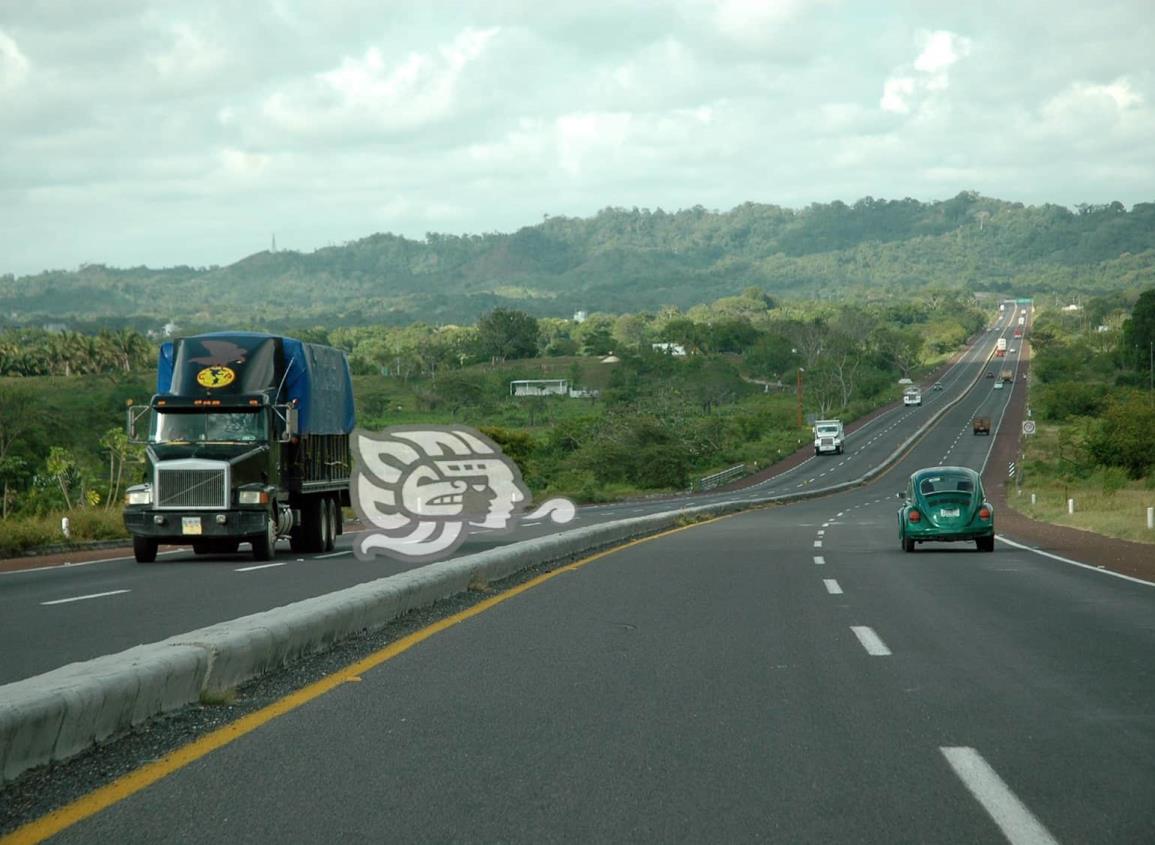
x=949, y=512
x=192, y=525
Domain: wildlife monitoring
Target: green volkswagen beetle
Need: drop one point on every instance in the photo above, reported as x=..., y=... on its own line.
x=944, y=504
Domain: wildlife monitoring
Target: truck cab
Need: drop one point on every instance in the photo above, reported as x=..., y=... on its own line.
x=828, y=437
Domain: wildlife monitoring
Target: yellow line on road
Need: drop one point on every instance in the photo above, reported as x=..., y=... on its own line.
x=124, y=787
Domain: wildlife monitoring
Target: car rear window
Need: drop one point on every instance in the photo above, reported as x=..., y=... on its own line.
x=946, y=484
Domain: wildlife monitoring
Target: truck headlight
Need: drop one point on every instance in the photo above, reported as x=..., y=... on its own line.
x=253, y=497
x=138, y=496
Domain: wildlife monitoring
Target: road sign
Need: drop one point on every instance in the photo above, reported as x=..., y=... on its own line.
x=1028, y=426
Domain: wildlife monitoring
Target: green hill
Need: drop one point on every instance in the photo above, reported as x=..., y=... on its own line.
x=623, y=260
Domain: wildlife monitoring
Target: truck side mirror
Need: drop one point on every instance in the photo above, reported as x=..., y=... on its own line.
x=290, y=430
x=132, y=414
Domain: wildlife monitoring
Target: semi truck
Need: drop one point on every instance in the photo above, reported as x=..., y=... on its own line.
x=1007, y=375
x=1001, y=347
x=247, y=441
x=828, y=437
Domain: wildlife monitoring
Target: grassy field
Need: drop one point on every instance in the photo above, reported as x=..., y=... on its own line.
x=1106, y=501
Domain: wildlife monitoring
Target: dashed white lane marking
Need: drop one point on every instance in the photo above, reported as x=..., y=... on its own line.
x=818, y=544
x=821, y=532
x=870, y=641
x=826, y=525
x=819, y=560
x=85, y=598
x=260, y=566
x=1017, y=823
x=832, y=586
x=335, y=554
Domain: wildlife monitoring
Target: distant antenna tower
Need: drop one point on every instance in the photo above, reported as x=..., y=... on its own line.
x=274, y=249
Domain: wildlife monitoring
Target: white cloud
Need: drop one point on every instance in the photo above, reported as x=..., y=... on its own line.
x=942, y=50
x=376, y=95
x=13, y=63
x=912, y=88
x=190, y=53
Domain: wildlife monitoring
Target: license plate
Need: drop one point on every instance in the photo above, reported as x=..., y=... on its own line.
x=949, y=512
x=192, y=524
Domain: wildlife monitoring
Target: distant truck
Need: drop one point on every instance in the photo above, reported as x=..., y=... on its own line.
x=912, y=396
x=248, y=441
x=1007, y=375
x=1001, y=347
x=982, y=425
x=828, y=437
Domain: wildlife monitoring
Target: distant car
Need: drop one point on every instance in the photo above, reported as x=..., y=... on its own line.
x=998, y=385
x=991, y=374
x=938, y=385
x=946, y=504
x=1012, y=349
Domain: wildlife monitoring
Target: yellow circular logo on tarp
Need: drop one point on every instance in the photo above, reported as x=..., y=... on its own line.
x=215, y=377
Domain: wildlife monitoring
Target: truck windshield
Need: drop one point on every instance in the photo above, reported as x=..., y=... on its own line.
x=828, y=429
x=216, y=427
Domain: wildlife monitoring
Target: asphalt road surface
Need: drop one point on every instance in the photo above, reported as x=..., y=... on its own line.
x=783, y=675
x=62, y=615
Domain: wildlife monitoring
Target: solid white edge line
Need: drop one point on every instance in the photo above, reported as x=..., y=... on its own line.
x=870, y=641
x=67, y=565
x=832, y=586
x=1017, y=823
x=260, y=566
x=335, y=554
x=82, y=598
x=1075, y=562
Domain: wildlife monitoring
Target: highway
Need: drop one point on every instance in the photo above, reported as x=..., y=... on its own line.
x=786, y=674
x=66, y=614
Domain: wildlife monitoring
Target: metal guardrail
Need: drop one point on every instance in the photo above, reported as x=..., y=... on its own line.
x=709, y=482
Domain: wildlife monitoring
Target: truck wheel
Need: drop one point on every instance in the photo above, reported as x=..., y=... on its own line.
x=330, y=508
x=265, y=545
x=144, y=549
x=311, y=532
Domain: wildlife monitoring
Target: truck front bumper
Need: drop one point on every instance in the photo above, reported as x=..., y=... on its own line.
x=176, y=527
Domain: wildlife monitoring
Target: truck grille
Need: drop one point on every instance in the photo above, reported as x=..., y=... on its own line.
x=182, y=486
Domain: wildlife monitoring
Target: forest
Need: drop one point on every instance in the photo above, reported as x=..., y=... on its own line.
x=621, y=261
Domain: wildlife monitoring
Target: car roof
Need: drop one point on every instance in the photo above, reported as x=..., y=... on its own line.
x=925, y=471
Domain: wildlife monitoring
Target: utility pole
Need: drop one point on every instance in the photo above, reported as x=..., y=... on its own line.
x=800, y=372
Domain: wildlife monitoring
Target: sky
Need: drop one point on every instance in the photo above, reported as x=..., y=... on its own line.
x=174, y=133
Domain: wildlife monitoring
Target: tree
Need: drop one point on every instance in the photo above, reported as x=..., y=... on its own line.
x=1139, y=330
x=505, y=333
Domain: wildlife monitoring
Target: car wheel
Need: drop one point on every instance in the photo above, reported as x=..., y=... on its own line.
x=144, y=549
x=907, y=543
x=985, y=544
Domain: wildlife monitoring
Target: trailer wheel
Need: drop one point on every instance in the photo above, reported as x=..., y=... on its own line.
x=330, y=507
x=144, y=549
x=309, y=536
x=265, y=545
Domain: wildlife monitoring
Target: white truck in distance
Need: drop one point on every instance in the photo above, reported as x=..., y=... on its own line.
x=828, y=437
x=912, y=396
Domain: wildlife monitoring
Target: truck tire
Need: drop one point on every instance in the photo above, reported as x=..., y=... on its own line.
x=309, y=536
x=330, y=506
x=265, y=545
x=144, y=549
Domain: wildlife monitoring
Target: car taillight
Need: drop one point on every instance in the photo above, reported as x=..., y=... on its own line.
x=914, y=516
x=984, y=512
